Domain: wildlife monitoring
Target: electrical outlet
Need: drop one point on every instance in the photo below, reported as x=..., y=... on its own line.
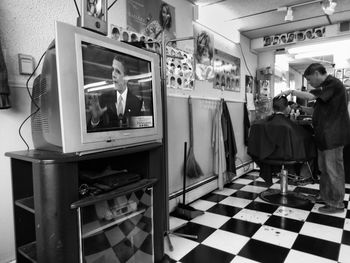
x=26, y=64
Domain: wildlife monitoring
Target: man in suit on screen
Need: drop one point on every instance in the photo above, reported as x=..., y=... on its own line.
x=114, y=109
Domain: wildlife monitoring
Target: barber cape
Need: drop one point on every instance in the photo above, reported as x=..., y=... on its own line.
x=279, y=138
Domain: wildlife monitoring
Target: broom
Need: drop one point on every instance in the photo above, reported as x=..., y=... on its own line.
x=184, y=211
x=193, y=169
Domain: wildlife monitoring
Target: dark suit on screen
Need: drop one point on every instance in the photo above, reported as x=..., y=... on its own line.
x=110, y=118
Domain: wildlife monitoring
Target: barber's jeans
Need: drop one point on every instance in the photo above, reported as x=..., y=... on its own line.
x=332, y=178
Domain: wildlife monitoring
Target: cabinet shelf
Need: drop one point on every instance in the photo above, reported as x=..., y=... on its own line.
x=115, y=193
x=26, y=203
x=91, y=229
x=29, y=251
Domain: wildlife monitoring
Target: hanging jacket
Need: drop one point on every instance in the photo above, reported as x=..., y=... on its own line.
x=229, y=140
x=246, y=124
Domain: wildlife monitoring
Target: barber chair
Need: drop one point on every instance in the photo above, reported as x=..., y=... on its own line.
x=282, y=196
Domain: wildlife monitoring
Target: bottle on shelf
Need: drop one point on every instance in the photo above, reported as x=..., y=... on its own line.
x=292, y=114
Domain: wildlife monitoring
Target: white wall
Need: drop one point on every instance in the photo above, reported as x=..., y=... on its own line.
x=27, y=26
x=266, y=59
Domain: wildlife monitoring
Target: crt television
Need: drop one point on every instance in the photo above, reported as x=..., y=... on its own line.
x=76, y=74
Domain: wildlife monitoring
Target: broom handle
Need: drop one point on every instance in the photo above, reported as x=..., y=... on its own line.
x=191, y=120
x=185, y=171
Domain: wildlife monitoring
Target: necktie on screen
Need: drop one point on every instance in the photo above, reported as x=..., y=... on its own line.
x=120, y=106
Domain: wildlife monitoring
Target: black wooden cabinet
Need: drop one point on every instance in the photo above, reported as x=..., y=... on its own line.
x=46, y=184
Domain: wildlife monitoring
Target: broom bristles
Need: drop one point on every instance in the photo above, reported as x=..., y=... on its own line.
x=193, y=170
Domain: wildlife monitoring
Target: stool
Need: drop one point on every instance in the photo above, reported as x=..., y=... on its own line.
x=283, y=196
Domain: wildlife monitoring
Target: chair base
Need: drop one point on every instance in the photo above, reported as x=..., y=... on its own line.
x=292, y=199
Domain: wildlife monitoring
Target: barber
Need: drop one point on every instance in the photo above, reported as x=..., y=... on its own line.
x=331, y=125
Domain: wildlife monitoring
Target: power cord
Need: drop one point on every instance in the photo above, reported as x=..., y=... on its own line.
x=245, y=62
x=32, y=100
x=112, y=4
x=76, y=7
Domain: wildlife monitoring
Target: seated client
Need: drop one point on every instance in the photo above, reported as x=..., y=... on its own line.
x=278, y=138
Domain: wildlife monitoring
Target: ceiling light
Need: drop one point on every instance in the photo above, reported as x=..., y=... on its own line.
x=328, y=6
x=289, y=15
x=317, y=53
x=334, y=45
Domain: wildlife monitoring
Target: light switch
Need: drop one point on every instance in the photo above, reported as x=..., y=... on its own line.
x=26, y=64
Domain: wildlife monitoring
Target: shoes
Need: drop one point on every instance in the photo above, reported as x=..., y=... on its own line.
x=330, y=209
x=319, y=200
x=305, y=181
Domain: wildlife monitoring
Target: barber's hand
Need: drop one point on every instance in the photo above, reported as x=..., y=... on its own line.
x=285, y=93
x=94, y=107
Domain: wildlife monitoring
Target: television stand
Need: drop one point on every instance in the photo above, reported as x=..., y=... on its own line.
x=46, y=199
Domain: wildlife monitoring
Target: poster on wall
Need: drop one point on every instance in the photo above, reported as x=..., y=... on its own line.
x=179, y=69
x=203, y=53
x=227, y=70
x=150, y=17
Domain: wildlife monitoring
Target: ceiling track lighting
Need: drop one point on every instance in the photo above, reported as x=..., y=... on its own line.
x=289, y=15
x=328, y=7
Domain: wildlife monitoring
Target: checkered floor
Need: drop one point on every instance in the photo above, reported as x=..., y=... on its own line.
x=238, y=226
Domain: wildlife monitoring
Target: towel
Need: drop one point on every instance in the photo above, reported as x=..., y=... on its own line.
x=217, y=144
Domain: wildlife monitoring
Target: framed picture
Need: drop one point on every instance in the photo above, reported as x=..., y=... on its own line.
x=319, y=32
x=116, y=32
x=94, y=15
x=267, y=41
x=291, y=37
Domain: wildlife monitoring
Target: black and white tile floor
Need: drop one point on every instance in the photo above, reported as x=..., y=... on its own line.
x=238, y=226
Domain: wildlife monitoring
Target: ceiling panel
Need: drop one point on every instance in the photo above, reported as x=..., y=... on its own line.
x=341, y=16
x=257, y=18
x=241, y=8
x=205, y=2
x=277, y=18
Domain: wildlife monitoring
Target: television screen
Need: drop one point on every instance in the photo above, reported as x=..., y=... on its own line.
x=96, y=94
x=117, y=88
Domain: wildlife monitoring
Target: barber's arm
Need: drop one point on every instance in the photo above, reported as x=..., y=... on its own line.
x=307, y=110
x=300, y=94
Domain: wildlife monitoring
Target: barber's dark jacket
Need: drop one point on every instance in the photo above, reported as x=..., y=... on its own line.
x=331, y=118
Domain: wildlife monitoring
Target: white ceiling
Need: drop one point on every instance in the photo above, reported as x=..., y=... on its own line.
x=258, y=18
